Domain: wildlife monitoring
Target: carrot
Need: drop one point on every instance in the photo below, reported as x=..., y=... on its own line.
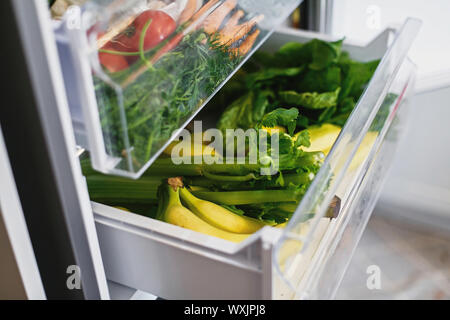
x=233, y=21
x=203, y=9
x=188, y=11
x=247, y=45
x=172, y=42
x=215, y=19
x=231, y=34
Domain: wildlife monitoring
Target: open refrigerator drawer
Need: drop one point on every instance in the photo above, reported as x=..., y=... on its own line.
x=308, y=258
x=137, y=71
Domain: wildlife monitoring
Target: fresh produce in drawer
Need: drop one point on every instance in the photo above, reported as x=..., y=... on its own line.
x=171, y=210
x=239, y=189
x=218, y=216
x=189, y=10
x=322, y=137
x=316, y=77
x=111, y=61
x=161, y=68
x=149, y=29
x=303, y=94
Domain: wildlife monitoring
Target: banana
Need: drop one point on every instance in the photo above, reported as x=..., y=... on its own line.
x=122, y=208
x=173, y=212
x=363, y=150
x=322, y=137
x=219, y=216
x=195, y=149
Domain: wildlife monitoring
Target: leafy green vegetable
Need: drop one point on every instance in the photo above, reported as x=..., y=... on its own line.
x=326, y=115
x=320, y=80
x=325, y=80
x=355, y=77
x=270, y=74
x=291, y=53
x=303, y=139
x=384, y=112
x=300, y=85
x=310, y=100
x=242, y=184
x=245, y=111
x=162, y=97
x=324, y=53
x=281, y=117
x=316, y=54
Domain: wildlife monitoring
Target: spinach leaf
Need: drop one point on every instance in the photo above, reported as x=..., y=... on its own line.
x=272, y=73
x=347, y=104
x=355, y=77
x=244, y=112
x=260, y=60
x=311, y=100
x=303, y=139
x=324, y=80
x=317, y=54
x=302, y=121
x=339, y=119
x=324, y=53
x=281, y=117
x=293, y=54
x=326, y=114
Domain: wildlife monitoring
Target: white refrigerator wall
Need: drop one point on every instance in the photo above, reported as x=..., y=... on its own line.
x=362, y=19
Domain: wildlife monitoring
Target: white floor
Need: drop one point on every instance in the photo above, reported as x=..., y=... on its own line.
x=414, y=262
x=408, y=237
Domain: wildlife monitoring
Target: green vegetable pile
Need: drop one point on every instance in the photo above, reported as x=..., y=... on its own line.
x=316, y=77
x=299, y=86
x=239, y=186
x=164, y=96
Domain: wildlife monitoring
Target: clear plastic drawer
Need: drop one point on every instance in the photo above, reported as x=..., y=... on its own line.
x=137, y=71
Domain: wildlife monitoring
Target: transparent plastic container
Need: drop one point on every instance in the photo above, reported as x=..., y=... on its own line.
x=357, y=186
x=138, y=71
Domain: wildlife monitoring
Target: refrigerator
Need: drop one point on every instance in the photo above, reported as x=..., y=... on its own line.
x=63, y=105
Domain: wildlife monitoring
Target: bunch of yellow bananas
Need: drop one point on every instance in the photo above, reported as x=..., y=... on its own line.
x=202, y=216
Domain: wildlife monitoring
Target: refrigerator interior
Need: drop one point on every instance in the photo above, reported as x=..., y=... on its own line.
x=124, y=124
x=145, y=254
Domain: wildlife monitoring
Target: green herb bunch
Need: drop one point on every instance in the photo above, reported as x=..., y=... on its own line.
x=163, y=97
x=316, y=77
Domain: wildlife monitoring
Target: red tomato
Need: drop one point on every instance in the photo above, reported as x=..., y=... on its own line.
x=112, y=62
x=162, y=25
